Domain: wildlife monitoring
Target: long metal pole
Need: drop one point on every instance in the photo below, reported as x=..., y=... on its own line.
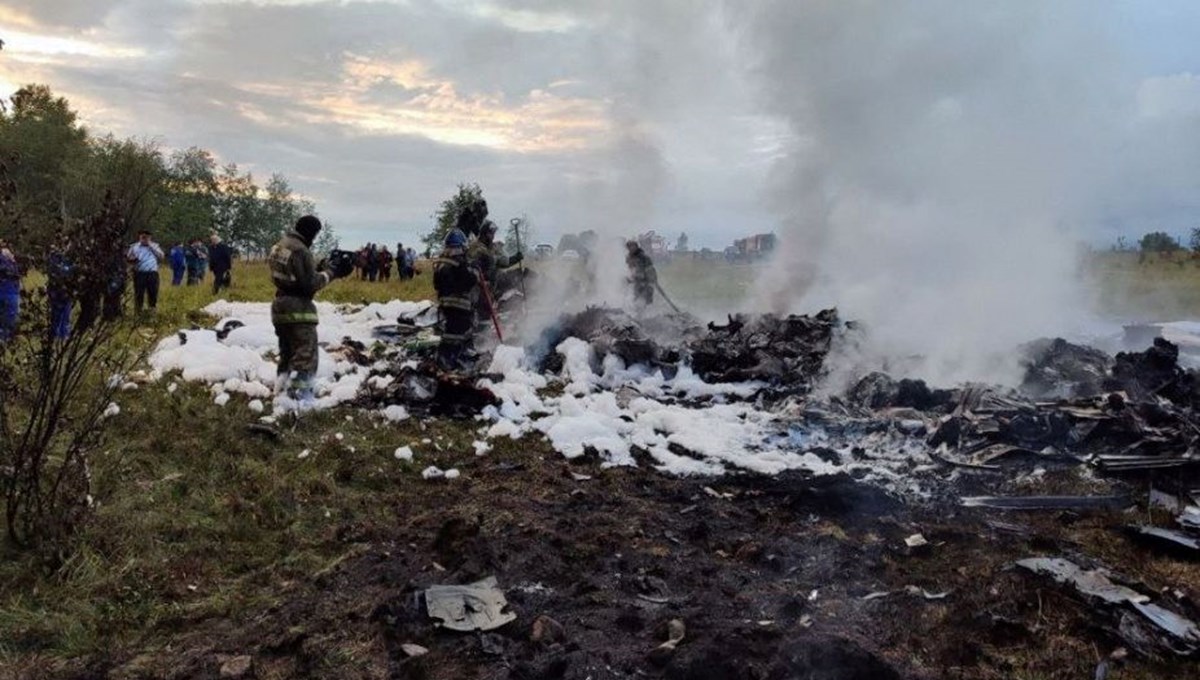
x=516, y=223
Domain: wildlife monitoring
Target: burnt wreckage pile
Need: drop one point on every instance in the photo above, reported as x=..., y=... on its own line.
x=1134, y=412
x=1130, y=416
x=785, y=353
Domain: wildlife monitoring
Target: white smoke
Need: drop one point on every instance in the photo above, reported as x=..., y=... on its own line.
x=942, y=159
x=944, y=155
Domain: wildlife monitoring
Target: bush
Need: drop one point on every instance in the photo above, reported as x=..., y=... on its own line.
x=57, y=377
x=1159, y=242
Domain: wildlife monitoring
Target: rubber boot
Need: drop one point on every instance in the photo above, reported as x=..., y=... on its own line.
x=301, y=389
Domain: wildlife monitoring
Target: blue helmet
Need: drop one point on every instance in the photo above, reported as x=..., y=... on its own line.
x=456, y=239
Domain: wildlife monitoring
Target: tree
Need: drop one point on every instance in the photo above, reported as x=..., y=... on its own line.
x=54, y=388
x=681, y=244
x=468, y=197
x=127, y=174
x=1159, y=242
x=43, y=145
x=327, y=240
x=279, y=212
x=1194, y=241
x=189, y=209
x=60, y=174
x=236, y=208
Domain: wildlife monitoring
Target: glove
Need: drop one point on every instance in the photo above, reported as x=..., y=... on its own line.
x=516, y=257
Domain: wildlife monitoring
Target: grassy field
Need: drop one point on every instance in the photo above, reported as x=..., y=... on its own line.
x=199, y=521
x=1157, y=289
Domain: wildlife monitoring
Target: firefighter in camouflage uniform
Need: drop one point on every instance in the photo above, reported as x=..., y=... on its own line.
x=293, y=313
x=455, y=279
x=489, y=260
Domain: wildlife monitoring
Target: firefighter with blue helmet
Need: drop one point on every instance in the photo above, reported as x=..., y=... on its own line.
x=455, y=280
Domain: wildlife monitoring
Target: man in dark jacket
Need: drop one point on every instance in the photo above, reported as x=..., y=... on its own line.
x=293, y=313
x=220, y=260
x=455, y=280
x=385, y=264
x=178, y=259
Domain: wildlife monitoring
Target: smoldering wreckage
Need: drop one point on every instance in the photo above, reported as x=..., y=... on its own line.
x=1088, y=441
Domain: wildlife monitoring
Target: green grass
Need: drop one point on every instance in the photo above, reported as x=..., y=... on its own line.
x=1159, y=289
x=196, y=519
x=693, y=284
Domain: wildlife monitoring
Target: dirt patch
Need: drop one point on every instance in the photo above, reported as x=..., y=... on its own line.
x=774, y=577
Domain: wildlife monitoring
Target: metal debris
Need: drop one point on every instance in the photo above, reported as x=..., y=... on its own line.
x=916, y=541
x=411, y=649
x=1176, y=542
x=1154, y=630
x=478, y=606
x=1047, y=502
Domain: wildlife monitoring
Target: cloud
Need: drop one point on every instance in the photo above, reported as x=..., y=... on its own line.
x=629, y=115
x=57, y=13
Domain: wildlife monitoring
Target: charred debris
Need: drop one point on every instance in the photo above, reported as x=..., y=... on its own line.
x=1131, y=413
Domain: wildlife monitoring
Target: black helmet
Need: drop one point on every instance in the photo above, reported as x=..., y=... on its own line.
x=307, y=227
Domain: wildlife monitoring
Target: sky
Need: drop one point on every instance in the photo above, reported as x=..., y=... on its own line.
x=627, y=115
x=931, y=167
x=569, y=114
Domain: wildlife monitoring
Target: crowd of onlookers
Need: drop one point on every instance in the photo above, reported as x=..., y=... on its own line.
x=190, y=262
x=193, y=259
x=374, y=262
x=142, y=259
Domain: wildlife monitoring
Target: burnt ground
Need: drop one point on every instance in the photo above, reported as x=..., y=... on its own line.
x=768, y=575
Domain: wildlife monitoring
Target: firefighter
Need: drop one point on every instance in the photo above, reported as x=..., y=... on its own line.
x=293, y=313
x=642, y=275
x=489, y=259
x=455, y=279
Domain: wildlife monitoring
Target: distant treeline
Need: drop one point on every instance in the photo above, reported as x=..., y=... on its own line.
x=61, y=171
x=1158, y=242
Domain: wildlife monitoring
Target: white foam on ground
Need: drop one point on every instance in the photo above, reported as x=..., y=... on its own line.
x=682, y=438
x=244, y=362
x=685, y=425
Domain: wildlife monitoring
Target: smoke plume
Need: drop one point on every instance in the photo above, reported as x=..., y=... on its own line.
x=944, y=155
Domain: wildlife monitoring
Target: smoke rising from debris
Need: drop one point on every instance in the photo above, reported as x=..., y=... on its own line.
x=944, y=156
x=935, y=164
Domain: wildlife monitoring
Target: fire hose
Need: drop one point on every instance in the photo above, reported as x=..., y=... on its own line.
x=663, y=293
